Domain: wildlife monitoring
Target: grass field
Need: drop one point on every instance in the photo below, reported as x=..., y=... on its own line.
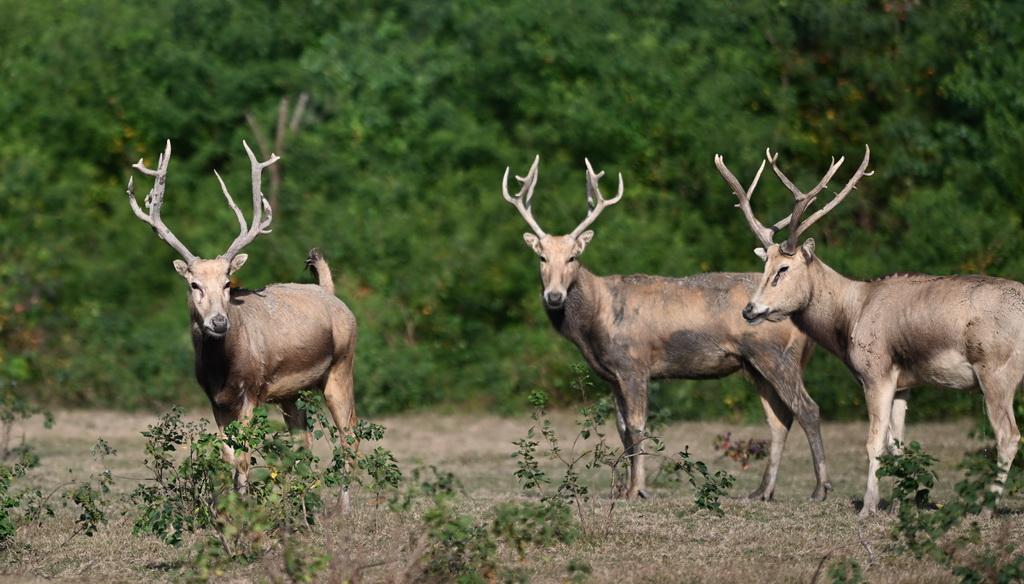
x=662, y=539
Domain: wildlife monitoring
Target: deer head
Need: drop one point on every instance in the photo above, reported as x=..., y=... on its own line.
x=785, y=286
x=558, y=253
x=208, y=280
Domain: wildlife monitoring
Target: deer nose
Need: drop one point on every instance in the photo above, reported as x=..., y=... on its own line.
x=219, y=324
x=554, y=299
x=752, y=313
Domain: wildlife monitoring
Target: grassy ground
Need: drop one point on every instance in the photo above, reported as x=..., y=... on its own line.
x=656, y=540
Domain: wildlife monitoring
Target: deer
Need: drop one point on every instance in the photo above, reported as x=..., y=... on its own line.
x=254, y=347
x=631, y=329
x=961, y=332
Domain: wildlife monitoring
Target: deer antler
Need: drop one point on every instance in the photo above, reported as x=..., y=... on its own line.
x=155, y=200
x=803, y=200
x=764, y=235
x=524, y=198
x=595, y=202
x=260, y=205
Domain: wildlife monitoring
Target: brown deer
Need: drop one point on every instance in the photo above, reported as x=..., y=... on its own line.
x=260, y=346
x=631, y=329
x=894, y=332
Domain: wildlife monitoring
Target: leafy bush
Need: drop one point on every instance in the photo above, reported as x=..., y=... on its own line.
x=571, y=489
x=192, y=488
x=939, y=533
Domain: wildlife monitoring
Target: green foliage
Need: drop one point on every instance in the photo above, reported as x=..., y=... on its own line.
x=189, y=478
x=848, y=572
x=941, y=533
x=415, y=111
x=572, y=490
x=913, y=479
x=709, y=487
x=9, y=500
x=192, y=488
x=37, y=507
x=458, y=548
x=12, y=409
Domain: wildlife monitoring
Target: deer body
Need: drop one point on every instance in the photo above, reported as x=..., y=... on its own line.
x=662, y=328
x=902, y=331
x=631, y=329
x=284, y=339
x=894, y=332
x=261, y=346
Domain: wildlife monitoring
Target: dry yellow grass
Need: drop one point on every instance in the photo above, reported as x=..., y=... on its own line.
x=657, y=540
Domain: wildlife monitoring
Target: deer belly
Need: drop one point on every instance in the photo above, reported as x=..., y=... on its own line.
x=287, y=382
x=948, y=369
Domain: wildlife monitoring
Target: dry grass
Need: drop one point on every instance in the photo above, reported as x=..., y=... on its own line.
x=657, y=540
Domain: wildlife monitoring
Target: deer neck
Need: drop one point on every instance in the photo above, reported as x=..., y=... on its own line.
x=213, y=354
x=830, y=311
x=575, y=318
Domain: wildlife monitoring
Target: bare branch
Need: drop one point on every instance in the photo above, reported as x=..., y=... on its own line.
x=523, y=199
x=300, y=110
x=155, y=200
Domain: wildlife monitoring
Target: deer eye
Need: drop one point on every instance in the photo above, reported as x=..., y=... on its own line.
x=196, y=286
x=570, y=260
x=778, y=275
x=543, y=260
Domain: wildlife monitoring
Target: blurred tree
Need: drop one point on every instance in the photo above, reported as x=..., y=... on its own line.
x=414, y=112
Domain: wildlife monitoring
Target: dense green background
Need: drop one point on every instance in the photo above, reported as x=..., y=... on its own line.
x=416, y=109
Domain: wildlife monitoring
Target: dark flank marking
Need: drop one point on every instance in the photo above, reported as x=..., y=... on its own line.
x=618, y=304
x=698, y=355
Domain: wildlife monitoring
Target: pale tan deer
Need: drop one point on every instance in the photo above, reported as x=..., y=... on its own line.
x=631, y=329
x=894, y=332
x=260, y=346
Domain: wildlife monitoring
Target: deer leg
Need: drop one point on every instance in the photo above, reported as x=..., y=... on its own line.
x=631, y=418
x=783, y=380
x=898, y=422
x=295, y=418
x=879, y=395
x=999, y=393
x=780, y=419
x=239, y=460
x=339, y=394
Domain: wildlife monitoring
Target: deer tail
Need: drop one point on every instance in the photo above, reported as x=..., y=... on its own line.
x=321, y=271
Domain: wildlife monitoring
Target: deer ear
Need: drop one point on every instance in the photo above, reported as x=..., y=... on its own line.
x=761, y=253
x=533, y=241
x=808, y=247
x=583, y=239
x=182, y=268
x=236, y=262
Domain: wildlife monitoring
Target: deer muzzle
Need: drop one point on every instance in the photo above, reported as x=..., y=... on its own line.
x=755, y=313
x=217, y=325
x=554, y=299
